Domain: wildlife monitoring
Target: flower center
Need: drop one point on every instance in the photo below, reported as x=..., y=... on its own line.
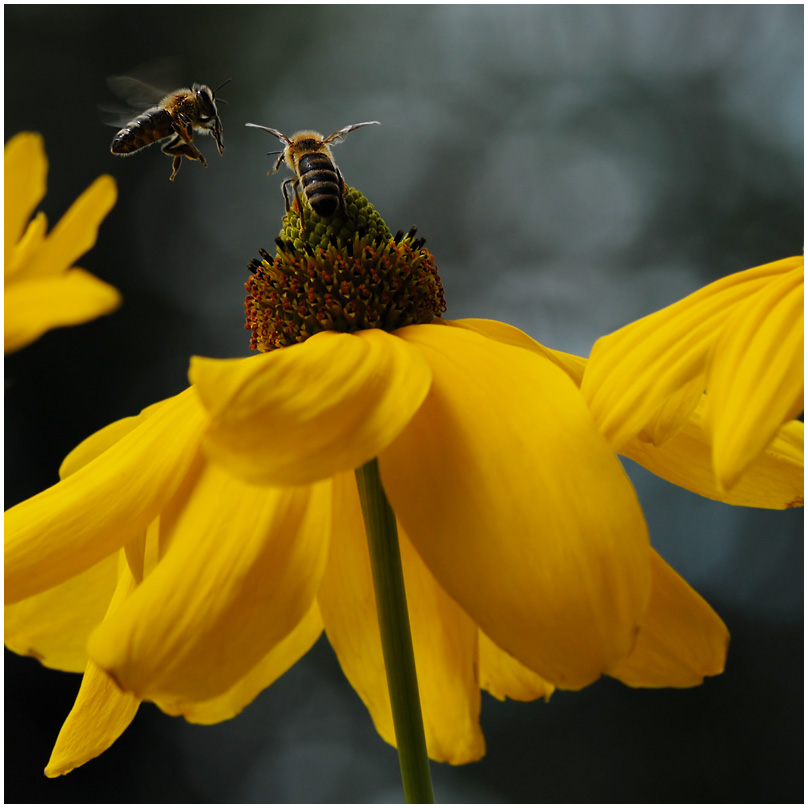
x=344, y=272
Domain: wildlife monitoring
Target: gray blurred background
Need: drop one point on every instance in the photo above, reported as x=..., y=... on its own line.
x=572, y=168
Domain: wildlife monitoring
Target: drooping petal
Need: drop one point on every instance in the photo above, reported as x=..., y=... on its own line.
x=100, y=715
x=444, y=638
x=681, y=639
x=241, y=570
x=30, y=311
x=632, y=372
x=571, y=364
x=54, y=625
x=774, y=480
x=26, y=171
x=301, y=414
x=519, y=508
x=503, y=677
x=81, y=520
x=77, y=231
x=285, y=654
x=756, y=375
x=102, y=711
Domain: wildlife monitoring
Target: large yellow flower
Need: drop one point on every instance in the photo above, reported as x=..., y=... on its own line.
x=192, y=554
x=43, y=289
x=740, y=339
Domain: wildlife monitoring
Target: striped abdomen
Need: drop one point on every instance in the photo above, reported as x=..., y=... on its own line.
x=150, y=126
x=321, y=184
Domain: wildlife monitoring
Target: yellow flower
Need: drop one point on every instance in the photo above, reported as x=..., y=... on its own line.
x=192, y=554
x=740, y=339
x=42, y=288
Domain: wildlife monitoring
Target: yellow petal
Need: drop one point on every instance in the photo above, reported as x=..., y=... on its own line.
x=572, y=365
x=102, y=711
x=519, y=508
x=77, y=231
x=26, y=170
x=241, y=570
x=681, y=638
x=444, y=638
x=756, y=376
x=632, y=372
x=285, y=654
x=675, y=412
x=34, y=307
x=301, y=414
x=22, y=253
x=774, y=480
x=503, y=677
x=54, y=625
x=76, y=523
x=100, y=441
x=100, y=715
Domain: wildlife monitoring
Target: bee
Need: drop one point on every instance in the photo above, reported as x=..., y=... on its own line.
x=174, y=120
x=309, y=156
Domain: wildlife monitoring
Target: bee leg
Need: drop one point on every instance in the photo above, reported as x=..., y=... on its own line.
x=183, y=127
x=175, y=165
x=342, y=190
x=289, y=197
x=179, y=149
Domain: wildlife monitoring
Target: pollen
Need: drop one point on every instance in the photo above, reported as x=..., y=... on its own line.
x=346, y=272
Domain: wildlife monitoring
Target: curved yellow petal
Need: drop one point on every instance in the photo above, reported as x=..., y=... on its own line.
x=756, y=375
x=519, y=508
x=301, y=414
x=100, y=441
x=774, y=480
x=76, y=523
x=53, y=626
x=444, y=638
x=632, y=372
x=36, y=306
x=681, y=638
x=77, y=231
x=285, y=654
x=21, y=254
x=102, y=711
x=241, y=570
x=100, y=715
x=572, y=365
x=503, y=677
x=26, y=171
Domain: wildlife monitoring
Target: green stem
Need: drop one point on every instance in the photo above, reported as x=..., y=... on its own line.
x=394, y=625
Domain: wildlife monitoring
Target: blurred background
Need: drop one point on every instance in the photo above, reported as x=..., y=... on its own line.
x=572, y=168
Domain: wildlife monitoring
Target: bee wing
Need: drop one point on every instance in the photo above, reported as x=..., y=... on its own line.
x=143, y=86
x=136, y=93
x=337, y=136
x=271, y=131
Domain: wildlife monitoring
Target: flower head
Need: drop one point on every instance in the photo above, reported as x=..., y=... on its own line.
x=739, y=338
x=239, y=532
x=43, y=289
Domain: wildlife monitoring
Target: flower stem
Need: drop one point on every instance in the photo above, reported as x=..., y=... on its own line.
x=394, y=625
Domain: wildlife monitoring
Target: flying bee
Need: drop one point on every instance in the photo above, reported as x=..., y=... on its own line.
x=309, y=156
x=173, y=120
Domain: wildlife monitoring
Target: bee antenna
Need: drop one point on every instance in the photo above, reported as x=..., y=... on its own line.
x=280, y=151
x=271, y=131
x=222, y=85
